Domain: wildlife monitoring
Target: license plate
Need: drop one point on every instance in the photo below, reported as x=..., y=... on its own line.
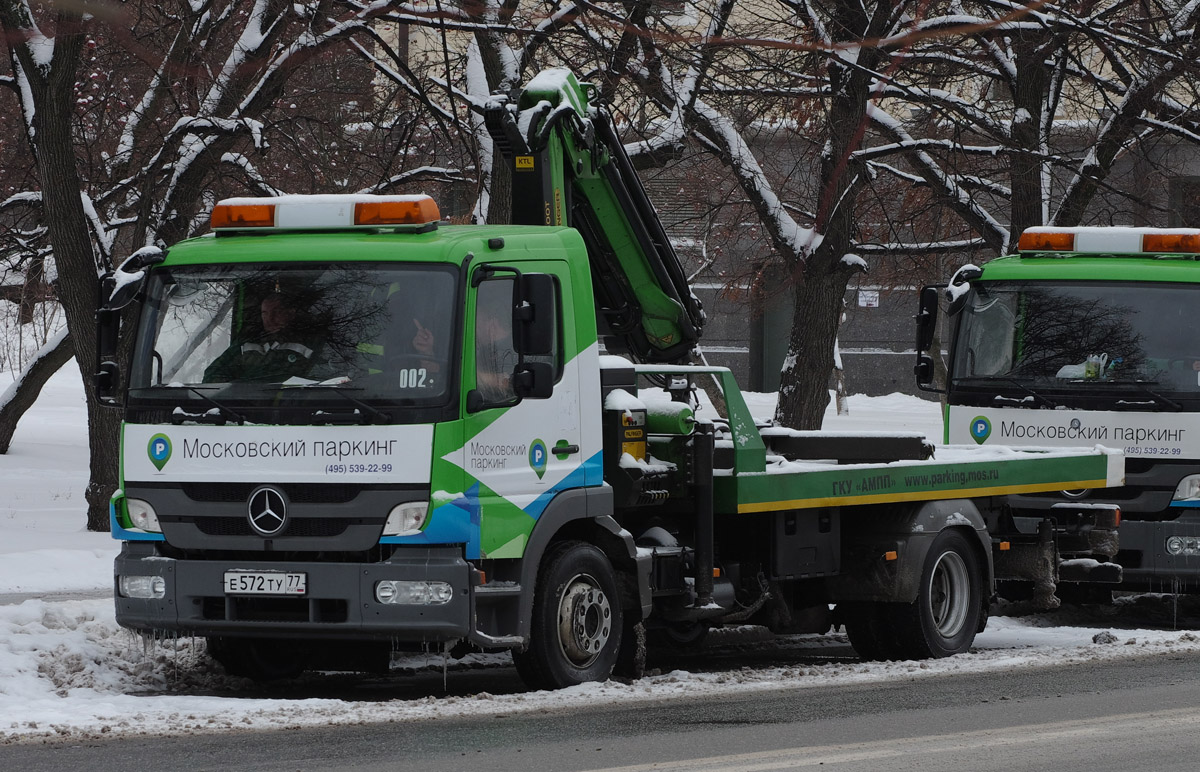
x=265, y=583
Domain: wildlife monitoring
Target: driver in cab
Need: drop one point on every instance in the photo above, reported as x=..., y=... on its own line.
x=284, y=348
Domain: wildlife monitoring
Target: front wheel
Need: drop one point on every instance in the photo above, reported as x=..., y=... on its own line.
x=577, y=625
x=944, y=618
x=870, y=628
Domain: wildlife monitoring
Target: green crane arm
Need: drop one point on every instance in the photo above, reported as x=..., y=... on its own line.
x=569, y=168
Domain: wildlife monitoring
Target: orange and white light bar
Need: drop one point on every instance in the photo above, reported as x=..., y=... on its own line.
x=1113, y=240
x=322, y=212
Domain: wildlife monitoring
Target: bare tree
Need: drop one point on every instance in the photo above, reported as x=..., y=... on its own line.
x=998, y=115
x=836, y=122
x=138, y=116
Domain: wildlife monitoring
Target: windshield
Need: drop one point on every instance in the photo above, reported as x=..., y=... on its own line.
x=378, y=333
x=1056, y=334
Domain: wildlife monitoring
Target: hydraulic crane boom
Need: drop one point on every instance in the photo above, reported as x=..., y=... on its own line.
x=569, y=168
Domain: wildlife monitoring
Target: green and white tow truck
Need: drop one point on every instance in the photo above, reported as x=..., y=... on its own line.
x=440, y=455
x=1089, y=336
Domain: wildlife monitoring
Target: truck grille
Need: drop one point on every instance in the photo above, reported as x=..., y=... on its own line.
x=312, y=527
x=300, y=493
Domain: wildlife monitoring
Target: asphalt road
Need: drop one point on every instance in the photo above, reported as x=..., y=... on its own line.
x=1135, y=714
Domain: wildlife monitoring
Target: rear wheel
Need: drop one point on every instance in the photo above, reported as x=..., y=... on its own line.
x=945, y=617
x=577, y=624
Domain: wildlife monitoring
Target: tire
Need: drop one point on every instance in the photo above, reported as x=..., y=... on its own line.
x=870, y=628
x=259, y=659
x=577, y=622
x=945, y=616
x=681, y=638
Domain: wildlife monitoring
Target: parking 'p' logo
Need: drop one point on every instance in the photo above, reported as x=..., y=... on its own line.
x=981, y=429
x=159, y=451
x=537, y=457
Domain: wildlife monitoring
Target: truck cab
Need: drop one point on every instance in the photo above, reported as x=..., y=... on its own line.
x=389, y=403
x=1091, y=336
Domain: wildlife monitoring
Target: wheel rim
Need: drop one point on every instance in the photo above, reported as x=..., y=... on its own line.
x=584, y=620
x=950, y=594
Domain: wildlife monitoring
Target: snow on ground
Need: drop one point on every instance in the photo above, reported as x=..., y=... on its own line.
x=67, y=671
x=44, y=545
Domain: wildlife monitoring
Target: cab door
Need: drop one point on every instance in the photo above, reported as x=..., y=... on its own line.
x=519, y=451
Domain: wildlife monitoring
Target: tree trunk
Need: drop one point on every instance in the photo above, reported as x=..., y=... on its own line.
x=819, y=295
x=1029, y=94
x=24, y=391
x=104, y=424
x=52, y=91
x=805, y=375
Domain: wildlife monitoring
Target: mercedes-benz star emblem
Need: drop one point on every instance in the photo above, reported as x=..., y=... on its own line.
x=267, y=511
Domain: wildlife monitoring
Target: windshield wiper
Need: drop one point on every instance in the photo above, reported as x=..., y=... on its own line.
x=219, y=418
x=992, y=380
x=1144, y=388
x=1042, y=398
x=328, y=417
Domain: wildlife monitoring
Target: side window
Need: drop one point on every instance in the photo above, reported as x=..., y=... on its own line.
x=495, y=357
x=555, y=359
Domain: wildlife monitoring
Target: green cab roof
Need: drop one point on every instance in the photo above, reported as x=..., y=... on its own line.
x=1072, y=266
x=445, y=244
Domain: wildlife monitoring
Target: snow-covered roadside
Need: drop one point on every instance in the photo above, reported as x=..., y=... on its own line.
x=67, y=671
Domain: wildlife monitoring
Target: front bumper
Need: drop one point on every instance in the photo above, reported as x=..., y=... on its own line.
x=339, y=602
x=1148, y=564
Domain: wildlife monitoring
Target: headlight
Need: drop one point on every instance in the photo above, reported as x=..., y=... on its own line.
x=406, y=519
x=1188, y=488
x=150, y=587
x=142, y=515
x=414, y=593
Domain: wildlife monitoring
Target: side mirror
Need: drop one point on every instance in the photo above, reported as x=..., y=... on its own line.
x=534, y=315
x=960, y=286
x=118, y=289
x=126, y=282
x=927, y=318
x=534, y=380
x=108, y=331
x=924, y=373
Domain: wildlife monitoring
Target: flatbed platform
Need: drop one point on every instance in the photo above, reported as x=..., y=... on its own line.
x=954, y=472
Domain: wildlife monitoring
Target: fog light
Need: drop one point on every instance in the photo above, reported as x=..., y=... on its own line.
x=1187, y=546
x=142, y=515
x=406, y=519
x=149, y=587
x=413, y=593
